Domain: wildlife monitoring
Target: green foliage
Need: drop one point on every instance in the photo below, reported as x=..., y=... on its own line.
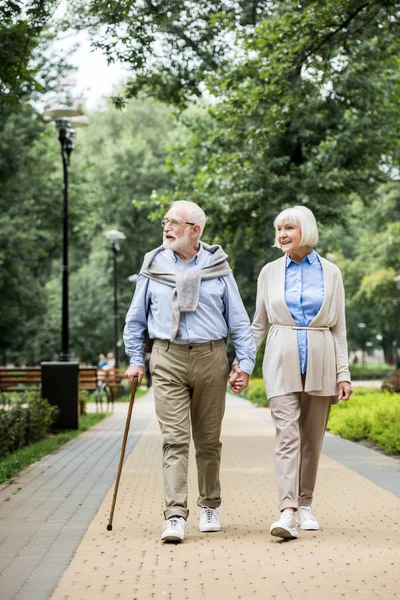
x=372, y=415
x=297, y=120
x=12, y=464
x=256, y=392
x=123, y=158
x=25, y=422
x=367, y=249
x=117, y=164
x=170, y=46
x=25, y=71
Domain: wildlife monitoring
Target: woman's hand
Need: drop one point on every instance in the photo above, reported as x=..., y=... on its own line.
x=344, y=390
x=238, y=380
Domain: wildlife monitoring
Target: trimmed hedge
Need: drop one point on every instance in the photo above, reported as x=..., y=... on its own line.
x=26, y=421
x=372, y=415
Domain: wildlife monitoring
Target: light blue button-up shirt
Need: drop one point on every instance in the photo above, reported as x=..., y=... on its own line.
x=220, y=311
x=304, y=293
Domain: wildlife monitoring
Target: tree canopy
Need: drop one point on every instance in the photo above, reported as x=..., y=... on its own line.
x=274, y=103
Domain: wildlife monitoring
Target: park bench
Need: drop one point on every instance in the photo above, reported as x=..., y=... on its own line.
x=92, y=379
x=20, y=379
x=109, y=379
x=101, y=381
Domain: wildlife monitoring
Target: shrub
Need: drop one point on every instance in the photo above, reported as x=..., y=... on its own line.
x=372, y=415
x=24, y=422
x=256, y=392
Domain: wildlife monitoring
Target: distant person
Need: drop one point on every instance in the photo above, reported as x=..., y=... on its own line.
x=102, y=361
x=300, y=302
x=110, y=361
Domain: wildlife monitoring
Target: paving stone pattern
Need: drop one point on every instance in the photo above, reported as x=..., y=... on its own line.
x=355, y=555
x=45, y=513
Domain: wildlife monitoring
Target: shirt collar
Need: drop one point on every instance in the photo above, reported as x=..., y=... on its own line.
x=193, y=261
x=310, y=258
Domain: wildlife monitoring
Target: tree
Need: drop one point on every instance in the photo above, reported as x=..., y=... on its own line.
x=368, y=253
x=23, y=34
x=170, y=45
x=121, y=159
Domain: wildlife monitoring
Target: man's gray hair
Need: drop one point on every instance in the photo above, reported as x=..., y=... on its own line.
x=194, y=213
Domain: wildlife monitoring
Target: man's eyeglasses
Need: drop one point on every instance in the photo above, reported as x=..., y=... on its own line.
x=174, y=223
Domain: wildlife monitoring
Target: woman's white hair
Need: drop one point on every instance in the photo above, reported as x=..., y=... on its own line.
x=194, y=213
x=303, y=218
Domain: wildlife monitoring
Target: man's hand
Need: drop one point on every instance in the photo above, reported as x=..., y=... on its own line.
x=238, y=380
x=135, y=371
x=344, y=390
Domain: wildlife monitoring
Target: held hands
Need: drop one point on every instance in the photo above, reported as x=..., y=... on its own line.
x=135, y=371
x=344, y=390
x=238, y=380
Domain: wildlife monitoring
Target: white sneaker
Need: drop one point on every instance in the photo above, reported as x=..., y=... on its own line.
x=174, y=530
x=209, y=520
x=306, y=520
x=285, y=527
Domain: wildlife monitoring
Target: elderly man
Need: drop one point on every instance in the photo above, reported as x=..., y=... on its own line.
x=187, y=299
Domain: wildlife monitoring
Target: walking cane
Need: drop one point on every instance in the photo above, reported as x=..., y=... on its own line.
x=121, y=458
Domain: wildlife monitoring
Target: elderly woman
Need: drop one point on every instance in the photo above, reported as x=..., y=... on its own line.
x=300, y=301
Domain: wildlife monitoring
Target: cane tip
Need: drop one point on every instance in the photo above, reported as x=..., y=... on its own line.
x=109, y=527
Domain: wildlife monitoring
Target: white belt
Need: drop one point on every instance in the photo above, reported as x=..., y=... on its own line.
x=299, y=327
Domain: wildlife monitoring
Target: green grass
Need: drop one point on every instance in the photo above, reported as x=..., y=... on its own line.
x=126, y=397
x=13, y=463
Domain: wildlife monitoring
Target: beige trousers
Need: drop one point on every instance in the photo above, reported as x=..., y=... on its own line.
x=300, y=421
x=189, y=385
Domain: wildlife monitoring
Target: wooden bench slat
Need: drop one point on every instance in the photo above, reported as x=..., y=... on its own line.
x=20, y=379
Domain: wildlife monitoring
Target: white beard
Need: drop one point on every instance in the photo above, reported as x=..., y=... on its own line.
x=177, y=243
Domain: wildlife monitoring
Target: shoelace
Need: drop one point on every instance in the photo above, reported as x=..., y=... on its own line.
x=174, y=523
x=209, y=514
x=306, y=512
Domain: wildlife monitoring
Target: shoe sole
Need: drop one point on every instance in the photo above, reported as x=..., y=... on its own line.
x=172, y=538
x=283, y=533
x=209, y=529
x=309, y=528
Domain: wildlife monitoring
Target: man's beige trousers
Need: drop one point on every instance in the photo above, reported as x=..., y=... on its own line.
x=300, y=421
x=189, y=385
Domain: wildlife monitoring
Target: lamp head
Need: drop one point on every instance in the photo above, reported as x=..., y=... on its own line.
x=58, y=110
x=113, y=235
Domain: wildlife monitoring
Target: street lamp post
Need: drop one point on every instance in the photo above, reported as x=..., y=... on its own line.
x=114, y=236
x=362, y=327
x=60, y=380
x=66, y=119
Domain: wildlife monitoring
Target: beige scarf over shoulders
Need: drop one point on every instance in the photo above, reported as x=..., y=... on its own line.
x=185, y=295
x=327, y=346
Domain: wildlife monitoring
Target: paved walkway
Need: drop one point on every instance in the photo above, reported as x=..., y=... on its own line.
x=54, y=543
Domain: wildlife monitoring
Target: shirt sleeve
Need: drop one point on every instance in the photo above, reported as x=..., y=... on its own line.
x=136, y=322
x=239, y=325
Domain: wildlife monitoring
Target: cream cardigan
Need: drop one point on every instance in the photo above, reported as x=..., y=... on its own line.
x=327, y=348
